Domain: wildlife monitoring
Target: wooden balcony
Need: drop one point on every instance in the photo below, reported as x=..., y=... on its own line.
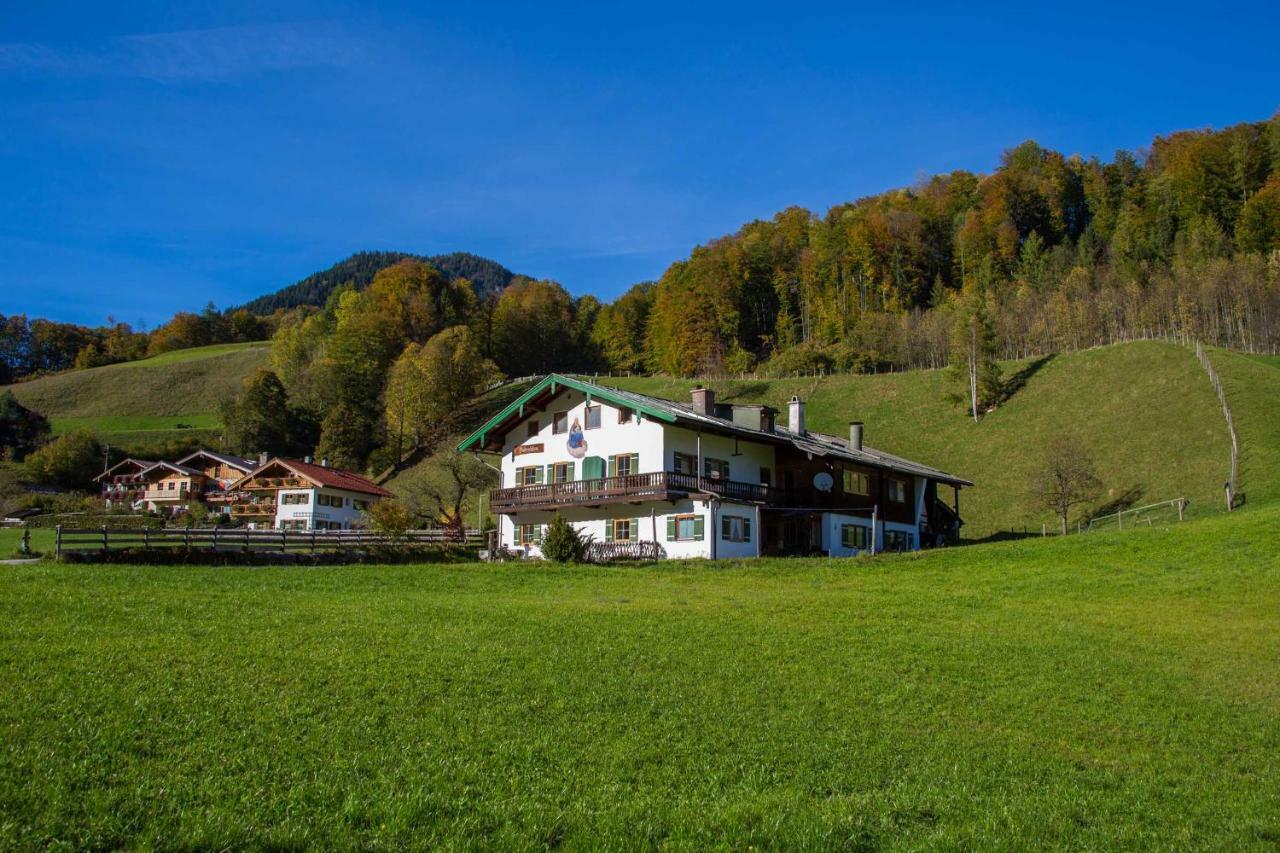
x=249, y=509
x=273, y=483
x=633, y=488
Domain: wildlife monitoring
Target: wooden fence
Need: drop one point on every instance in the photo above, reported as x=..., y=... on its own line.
x=243, y=540
x=1232, y=483
x=1129, y=518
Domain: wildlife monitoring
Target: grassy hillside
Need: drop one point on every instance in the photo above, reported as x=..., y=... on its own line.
x=1115, y=691
x=1252, y=384
x=1145, y=410
x=152, y=399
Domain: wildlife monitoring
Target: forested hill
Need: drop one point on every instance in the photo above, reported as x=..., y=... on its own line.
x=486, y=276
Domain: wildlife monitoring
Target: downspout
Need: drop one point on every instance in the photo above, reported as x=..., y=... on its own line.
x=712, y=504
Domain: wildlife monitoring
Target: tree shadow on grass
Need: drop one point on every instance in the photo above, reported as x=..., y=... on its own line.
x=1126, y=499
x=1017, y=381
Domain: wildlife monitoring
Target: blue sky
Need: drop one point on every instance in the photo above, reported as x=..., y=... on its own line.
x=157, y=156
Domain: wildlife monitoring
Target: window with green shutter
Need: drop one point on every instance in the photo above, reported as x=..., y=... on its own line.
x=624, y=464
x=592, y=468
x=684, y=528
x=561, y=472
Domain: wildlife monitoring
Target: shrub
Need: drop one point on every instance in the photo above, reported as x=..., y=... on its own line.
x=563, y=543
x=69, y=461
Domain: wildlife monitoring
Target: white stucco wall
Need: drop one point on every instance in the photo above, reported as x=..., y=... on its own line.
x=311, y=512
x=643, y=437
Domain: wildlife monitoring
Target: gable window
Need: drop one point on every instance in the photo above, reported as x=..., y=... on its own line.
x=716, y=469
x=560, y=423
x=592, y=417
x=533, y=428
x=624, y=464
x=735, y=528
x=897, y=491
x=684, y=528
x=856, y=483
x=562, y=472
x=625, y=415
x=294, y=498
x=530, y=475
x=686, y=463
x=855, y=536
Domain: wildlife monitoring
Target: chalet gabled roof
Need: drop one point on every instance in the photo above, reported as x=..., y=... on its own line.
x=320, y=475
x=142, y=465
x=238, y=462
x=173, y=467
x=668, y=411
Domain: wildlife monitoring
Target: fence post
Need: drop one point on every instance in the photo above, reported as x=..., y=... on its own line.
x=105, y=545
x=313, y=540
x=57, y=540
x=246, y=540
x=1181, y=506
x=186, y=538
x=146, y=538
x=284, y=540
x=215, y=538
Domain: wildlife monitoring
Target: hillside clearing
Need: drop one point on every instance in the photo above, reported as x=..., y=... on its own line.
x=174, y=395
x=1144, y=410
x=1104, y=691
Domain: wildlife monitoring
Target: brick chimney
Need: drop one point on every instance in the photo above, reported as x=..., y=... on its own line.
x=704, y=401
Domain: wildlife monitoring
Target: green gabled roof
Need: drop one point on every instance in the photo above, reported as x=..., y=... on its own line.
x=554, y=382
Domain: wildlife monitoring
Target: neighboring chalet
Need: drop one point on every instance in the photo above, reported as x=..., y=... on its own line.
x=288, y=494
x=122, y=482
x=703, y=480
x=199, y=478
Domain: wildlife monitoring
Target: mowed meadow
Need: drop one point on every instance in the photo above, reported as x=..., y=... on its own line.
x=1107, y=691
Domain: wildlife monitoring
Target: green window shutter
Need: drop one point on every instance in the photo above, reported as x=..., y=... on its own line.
x=635, y=463
x=572, y=468
x=671, y=528
x=592, y=468
x=608, y=530
x=635, y=530
x=699, y=528
x=542, y=533
x=537, y=475
x=613, y=466
x=746, y=529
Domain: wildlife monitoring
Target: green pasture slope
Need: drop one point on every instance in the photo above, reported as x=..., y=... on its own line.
x=1145, y=410
x=1117, y=690
x=151, y=399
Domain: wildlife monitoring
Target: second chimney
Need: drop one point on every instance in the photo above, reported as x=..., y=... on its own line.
x=704, y=401
x=855, y=435
x=795, y=415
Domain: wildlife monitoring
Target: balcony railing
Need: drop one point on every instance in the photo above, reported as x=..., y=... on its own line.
x=659, y=485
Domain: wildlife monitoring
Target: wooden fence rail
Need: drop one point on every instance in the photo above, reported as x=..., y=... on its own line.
x=1180, y=504
x=101, y=539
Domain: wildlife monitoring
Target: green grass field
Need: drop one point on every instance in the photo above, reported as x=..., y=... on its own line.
x=1099, y=692
x=1145, y=410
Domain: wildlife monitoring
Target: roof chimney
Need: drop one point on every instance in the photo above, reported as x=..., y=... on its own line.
x=307, y=459
x=262, y=458
x=324, y=462
x=855, y=435
x=704, y=401
x=795, y=415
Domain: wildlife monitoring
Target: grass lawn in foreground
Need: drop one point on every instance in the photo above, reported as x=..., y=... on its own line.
x=1100, y=691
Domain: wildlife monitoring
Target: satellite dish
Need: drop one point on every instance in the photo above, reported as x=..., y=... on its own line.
x=823, y=482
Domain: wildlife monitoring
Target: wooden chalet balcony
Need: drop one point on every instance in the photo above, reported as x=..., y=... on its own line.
x=248, y=509
x=659, y=485
x=273, y=483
